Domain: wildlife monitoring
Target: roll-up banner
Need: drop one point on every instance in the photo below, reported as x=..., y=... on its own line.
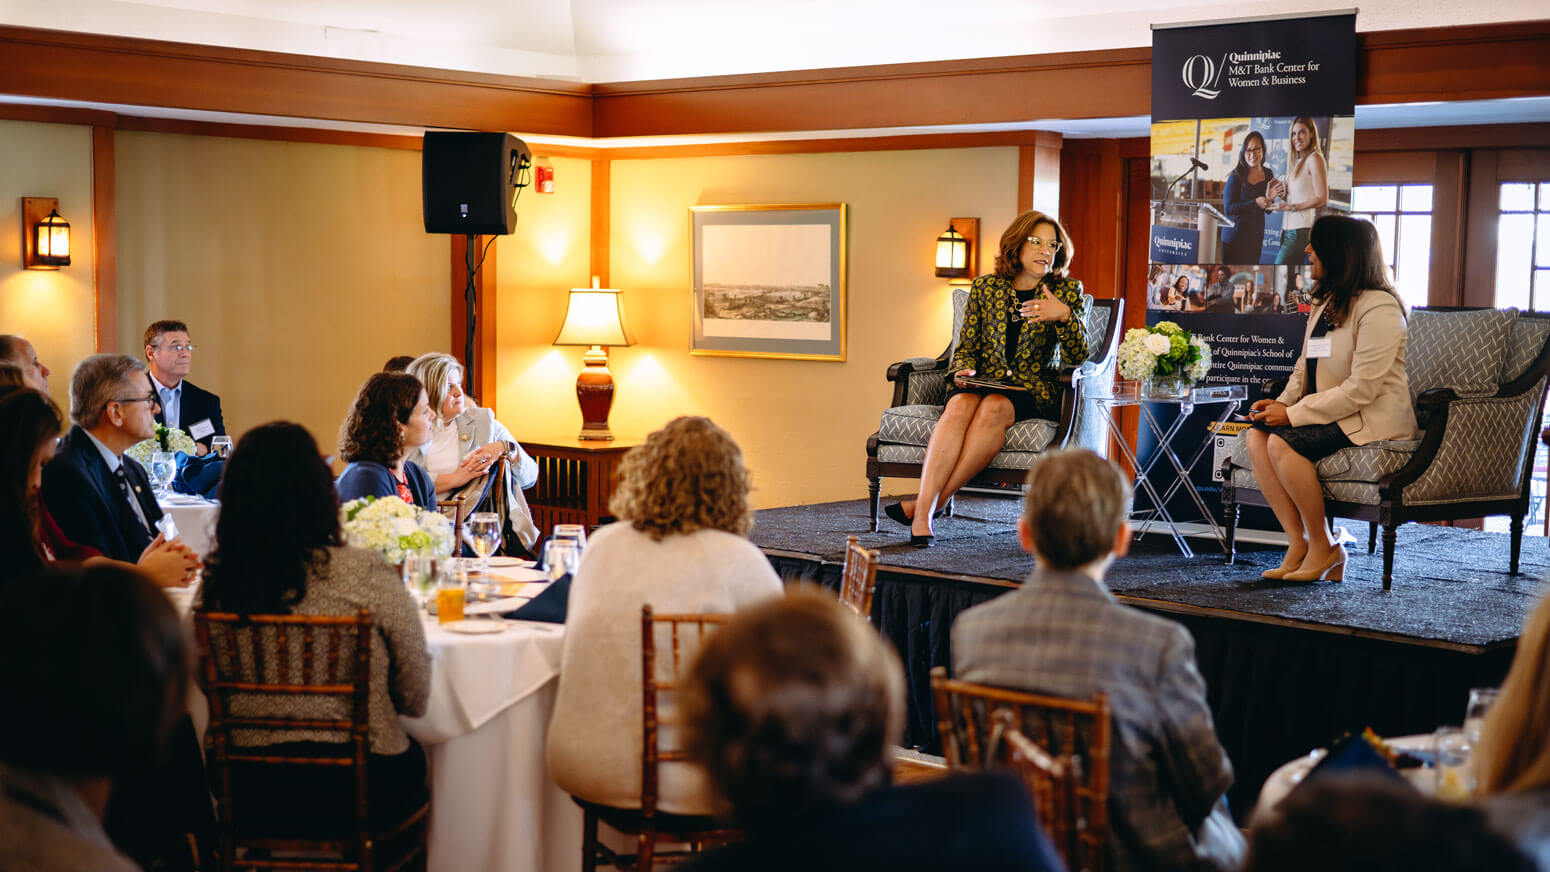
x=1253, y=137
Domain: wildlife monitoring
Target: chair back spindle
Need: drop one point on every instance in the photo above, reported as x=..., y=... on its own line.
x=859, y=578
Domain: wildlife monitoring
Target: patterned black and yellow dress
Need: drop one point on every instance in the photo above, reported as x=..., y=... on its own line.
x=998, y=343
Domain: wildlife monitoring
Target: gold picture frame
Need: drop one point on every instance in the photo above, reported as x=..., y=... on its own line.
x=768, y=281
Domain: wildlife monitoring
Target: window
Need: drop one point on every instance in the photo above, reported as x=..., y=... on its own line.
x=1523, y=246
x=1403, y=216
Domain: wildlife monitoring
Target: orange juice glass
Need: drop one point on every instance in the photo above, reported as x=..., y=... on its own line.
x=449, y=604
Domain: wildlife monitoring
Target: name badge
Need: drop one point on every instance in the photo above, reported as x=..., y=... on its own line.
x=204, y=428
x=1319, y=346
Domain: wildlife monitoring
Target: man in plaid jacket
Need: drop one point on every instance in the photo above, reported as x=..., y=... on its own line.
x=1063, y=634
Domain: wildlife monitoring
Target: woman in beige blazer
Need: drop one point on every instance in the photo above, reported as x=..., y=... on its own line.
x=1358, y=393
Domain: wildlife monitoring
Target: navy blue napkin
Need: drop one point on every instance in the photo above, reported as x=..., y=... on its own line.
x=549, y=606
x=1352, y=754
x=200, y=476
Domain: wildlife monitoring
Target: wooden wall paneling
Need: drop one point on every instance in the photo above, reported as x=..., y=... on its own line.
x=1396, y=167
x=1523, y=165
x=1475, y=62
x=482, y=376
x=1450, y=196
x=1038, y=173
x=602, y=173
x=141, y=72
x=104, y=238
x=1480, y=241
x=1368, y=142
x=1091, y=206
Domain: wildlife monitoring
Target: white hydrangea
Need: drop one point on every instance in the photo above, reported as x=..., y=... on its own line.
x=177, y=440
x=1199, y=368
x=1146, y=352
x=1157, y=344
x=395, y=529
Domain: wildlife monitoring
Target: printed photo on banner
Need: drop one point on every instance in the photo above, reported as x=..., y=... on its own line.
x=1246, y=190
x=1220, y=289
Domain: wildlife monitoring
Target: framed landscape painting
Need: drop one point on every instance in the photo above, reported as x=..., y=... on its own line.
x=768, y=281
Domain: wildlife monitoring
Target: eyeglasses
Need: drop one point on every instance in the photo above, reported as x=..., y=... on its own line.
x=148, y=399
x=1036, y=242
x=179, y=348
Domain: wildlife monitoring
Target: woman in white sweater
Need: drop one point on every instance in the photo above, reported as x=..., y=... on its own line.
x=679, y=545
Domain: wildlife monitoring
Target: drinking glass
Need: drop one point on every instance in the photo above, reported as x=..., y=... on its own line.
x=574, y=532
x=1455, y=780
x=1480, y=701
x=482, y=532
x=561, y=557
x=164, y=465
x=220, y=446
x=421, y=575
x=450, y=595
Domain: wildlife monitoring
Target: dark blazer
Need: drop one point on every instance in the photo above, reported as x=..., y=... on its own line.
x=196, y=405
x=85, y=499
x=1243, y=240
x=367, y=479
x=980, y=821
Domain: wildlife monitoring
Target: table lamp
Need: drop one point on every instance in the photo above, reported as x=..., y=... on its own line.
x=595, y=318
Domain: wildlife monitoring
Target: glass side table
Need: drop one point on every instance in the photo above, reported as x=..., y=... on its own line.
x=1121, y=393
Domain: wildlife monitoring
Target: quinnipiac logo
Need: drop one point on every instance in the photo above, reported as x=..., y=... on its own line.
x=1201, y=74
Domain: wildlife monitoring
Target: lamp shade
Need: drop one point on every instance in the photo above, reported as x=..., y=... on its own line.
x=952, y=250
x=595, y=316
x=54, y=240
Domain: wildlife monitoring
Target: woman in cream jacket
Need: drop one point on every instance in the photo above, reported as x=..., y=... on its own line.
x=1347, y=388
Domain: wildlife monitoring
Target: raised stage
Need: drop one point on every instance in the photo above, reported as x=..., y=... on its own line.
x=1288, y=666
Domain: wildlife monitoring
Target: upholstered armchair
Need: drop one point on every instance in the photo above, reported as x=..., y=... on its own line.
x=898, y=448
x=1477, y=378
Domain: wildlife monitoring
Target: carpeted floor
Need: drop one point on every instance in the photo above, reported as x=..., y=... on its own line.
x=1450, y=585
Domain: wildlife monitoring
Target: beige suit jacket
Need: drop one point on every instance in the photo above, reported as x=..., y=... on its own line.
x=1362, y=384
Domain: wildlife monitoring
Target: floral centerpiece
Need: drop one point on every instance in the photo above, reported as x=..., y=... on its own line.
x=395, y=529
x=166, y=439
x=1164, y=357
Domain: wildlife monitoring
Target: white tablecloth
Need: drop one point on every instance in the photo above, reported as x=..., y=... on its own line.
x=493, y=805
x=195, y=518
x=1281, y=781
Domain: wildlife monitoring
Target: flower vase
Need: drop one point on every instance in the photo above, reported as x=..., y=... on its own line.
x=1167, y=387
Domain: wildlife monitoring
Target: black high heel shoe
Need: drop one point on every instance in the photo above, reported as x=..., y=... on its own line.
x=896, y=512
x=921, y=541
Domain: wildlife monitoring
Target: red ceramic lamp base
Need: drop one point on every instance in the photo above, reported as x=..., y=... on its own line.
x=595, y=395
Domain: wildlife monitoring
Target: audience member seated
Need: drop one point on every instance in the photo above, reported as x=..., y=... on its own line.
x=1063, y=634
x=1365, y=822
x=93, y=707
x=397, y=363
x=1513, y=756
x=29, y=538
x=100, y=498
x=390, y=414
x=679, y=545
x=277, y=551
x=794, y=708
x=16, y=350
x=11, y=376
x=465, y=441
x=184, y=405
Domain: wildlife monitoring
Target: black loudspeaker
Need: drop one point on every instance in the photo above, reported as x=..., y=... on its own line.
x=470, y=181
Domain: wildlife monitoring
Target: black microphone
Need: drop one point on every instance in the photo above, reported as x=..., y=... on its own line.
x=1199, y=164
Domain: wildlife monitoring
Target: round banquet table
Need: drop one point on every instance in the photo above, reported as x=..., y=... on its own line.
x=195, y=517
x=1281, y=781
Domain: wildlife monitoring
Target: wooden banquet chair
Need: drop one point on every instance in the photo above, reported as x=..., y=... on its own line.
x=1073, y=740
x=898, y=448
x=1477, y=380
x=251, y=656
x=859, y=578
x=650, y=826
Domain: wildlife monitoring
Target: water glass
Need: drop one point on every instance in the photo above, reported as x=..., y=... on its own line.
x=561, y=557
x=574, y=532
x=1455, y=779
x=164, y=465
x=1480, y=701
x=220, y=446
x=422, y=574
x=482, y=532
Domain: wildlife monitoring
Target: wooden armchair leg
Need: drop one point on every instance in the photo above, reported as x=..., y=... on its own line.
x=874, y=489
x=1390, y=536
x=1517, y=543
x=1372, y=536
x=645, y=851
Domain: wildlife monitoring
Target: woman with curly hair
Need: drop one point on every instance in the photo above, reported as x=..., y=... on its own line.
x=392, y=413
x=679, y=545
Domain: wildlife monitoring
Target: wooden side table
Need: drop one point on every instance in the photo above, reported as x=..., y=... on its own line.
x=575, y=480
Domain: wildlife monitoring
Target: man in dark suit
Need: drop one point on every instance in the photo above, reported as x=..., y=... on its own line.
x=1063, y=634
x=98, y=496
x=183, y=404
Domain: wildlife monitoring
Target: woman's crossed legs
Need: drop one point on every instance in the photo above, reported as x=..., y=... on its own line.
x=970, y=432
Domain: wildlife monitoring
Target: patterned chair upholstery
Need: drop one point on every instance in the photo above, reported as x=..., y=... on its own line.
x=1477, y=378
x=898, y=448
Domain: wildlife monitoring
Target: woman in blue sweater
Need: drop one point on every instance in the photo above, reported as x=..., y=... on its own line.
x=1245, y=201
x=391, y=413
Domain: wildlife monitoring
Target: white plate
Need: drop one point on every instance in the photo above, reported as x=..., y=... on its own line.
x=512, y=561
x=517, y=573
x=475, y=628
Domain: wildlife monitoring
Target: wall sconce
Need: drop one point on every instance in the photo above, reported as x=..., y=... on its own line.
x=957, y=251
x=595, y=318
x=45, y=235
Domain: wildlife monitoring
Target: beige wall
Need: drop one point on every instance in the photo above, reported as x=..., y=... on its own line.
x=55, y=309
x=802, y=424
x=299, y=268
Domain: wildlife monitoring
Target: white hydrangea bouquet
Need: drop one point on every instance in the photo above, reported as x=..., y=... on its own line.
x=395, y=529
x=166, y=439
x=1163, y=351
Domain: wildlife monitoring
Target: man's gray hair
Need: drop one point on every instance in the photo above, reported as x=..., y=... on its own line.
x=97, y=381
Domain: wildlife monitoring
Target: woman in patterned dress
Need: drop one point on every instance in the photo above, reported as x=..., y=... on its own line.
x=1021, y=324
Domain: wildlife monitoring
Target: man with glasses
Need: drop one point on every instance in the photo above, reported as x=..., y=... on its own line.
x=97, y=495
x=184, y=405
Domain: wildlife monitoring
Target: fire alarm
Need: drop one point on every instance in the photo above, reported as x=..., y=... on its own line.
x=543, y=179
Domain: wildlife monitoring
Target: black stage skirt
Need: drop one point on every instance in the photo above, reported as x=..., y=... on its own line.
x=1314, y=441
x=1024, y=405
